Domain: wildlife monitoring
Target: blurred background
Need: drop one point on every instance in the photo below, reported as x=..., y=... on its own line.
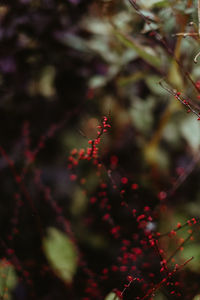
x=71, y=231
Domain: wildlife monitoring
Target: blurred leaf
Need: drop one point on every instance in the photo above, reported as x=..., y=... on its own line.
x=142, y=114
x=8, y=279
x=149, y=14
x=162, y=3
x=111, y=296
x=122, y=20
x=153, y=84
x=74, y=139
x=96, y=26
x=171, y=133
x=46, y=87
x=182, y=7
x=189, y=251
x=74, y=41
x=61, y=254
x=90, y=239
x=168, y=20
x=79, y=202
x=190, y=129
x=142, y=51
x=97, y=81
x=101, y=46
x=193, y=208
x=157, y=156
x=131, y=78
x=116, y=62
x=147, y=28
x=150, y=3
x=159, y=296
x=175, y=77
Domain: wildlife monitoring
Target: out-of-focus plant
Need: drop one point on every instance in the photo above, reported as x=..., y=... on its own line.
x=99, y=207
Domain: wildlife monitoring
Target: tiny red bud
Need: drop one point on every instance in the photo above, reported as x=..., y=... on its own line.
x=129, y=278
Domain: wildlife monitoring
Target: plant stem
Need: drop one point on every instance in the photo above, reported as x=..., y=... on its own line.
x=199, y=17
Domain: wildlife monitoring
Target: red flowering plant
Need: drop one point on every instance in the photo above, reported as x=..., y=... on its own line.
x=99, y=150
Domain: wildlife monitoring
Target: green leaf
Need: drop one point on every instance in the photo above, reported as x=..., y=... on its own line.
x=97, y=81
x=153, y=85
x=142, y=114
x=190, y=129
x=161, y=4
x=112, y=296
x=159, y=296
x=150, y=3
x=46, y=82
x=61, y=254
x=191, y=251
x=140, y=50
x=124, y=80
x=8, y=279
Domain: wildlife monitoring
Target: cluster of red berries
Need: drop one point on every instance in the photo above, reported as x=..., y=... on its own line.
x=91, y=153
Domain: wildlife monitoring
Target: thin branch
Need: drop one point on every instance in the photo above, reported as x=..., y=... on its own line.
x=179, y=247
x=162, y=40
x=182, y=101
x=185, y=34
x=196, y=57
x=198, y=8
x=162, y=282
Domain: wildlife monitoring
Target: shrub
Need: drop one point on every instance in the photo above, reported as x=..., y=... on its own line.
x=99, y=149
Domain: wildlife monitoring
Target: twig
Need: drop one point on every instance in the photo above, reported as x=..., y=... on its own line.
x=198, y=8
x=162, y=40
x=164, y=280
x=182, y=101
x=179, y=247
